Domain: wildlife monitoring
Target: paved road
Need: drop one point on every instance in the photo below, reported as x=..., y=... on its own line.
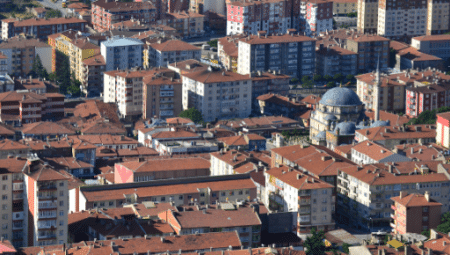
x=57, y=5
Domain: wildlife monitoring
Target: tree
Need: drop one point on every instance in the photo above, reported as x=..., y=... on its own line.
x=38, y=70
x=327, y=77
x=338, y=77
x=192, y=114
x=331, y=84
x=314, y=244
x=352, y=14
x=428, y=117
x=345, y=248
x=305, y=79
x=444, y=227
x=317, y=77
x=74, y=87
x=213, y=43
x=349, y=77
x=63, y=76
x=53, y=14
x=426, y=233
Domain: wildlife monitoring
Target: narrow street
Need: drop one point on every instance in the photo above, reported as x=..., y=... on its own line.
x=57, y=5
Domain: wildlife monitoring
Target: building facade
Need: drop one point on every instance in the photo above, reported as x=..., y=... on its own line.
x=163, y=52
x=367, y=16
x=316, y=16
x=122, y=53
x=437, y=45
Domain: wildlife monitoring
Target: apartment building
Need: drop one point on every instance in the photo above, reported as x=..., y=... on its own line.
x=187, y=24
x=91, y=77
x=438, y=17
x=162, y=52
x=225, y=217
x=264, y=52
x=107, y=12
x=411, y=58
x=367, y=16
x=269, y=82
x=368, y=152
x=291, y=190
x=3, y=64
x=332, y=60
x=344, y=6
x=181, y=191
x=122, y=53
x=414, y=213
x=248, y=142
x=437, y=45
x=316, y=16
x=157, y=169
x=443, y=130
x=227, y=162
x=21, y=52
x=10, y=148
x=41, y=28
x=370, y=48
x=27, y=107
x=8, y=83
x=205, y=6
x=364, y=192
x=218, y=94
x=227, y=51
x=426, y=97
x=161, y=96
x=249, y=17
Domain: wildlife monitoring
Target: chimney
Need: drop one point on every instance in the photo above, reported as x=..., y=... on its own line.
x=427, y=196
x=403, y=194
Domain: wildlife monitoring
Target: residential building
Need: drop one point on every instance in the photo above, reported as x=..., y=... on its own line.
x=443, y=129
x=140, y=171
x=316, y=16
x=344, y=7
x=187, y=24
x=108, y=141
x=7, y=83
x=364, y=192
x=106, y=12
x=264, y=125
x=368, y=16
x=274, y=104
x=182, y=191
x=438, y=242
x=411, y=58
x=415, y=213
x=218, y=94
x=187, y=66
x=290, y=190
x=368, y=152
x=392, y=89
x=165, y=51
x=38, y=86
x=437, y=45
x=269, y=82
x=27, y=107
x=73, y=166
x=121, y=53
x=438, y=17
x=339, y=108
x=44, y=130
x=248, y=142
x=227, y=162
x=425, y=96
x=114, y=223
x=3, y=64
x=9, y=148
x=161, y=96
x=7, y=247
x=264, y=52
x=126, y=89
x=21, y=53
x=227, y=51
x=392, y=118
x=421, y=152
x=373, y=50
x=91, y=74
x=249, y=17
x=41, y=28
x=165, y=136
x=225, y=217
x=332, y=60
x=204, y=6
x=392, y=136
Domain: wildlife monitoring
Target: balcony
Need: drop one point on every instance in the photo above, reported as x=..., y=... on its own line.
x=17, y=225
x=47, y=215
x=393, y=207
x=47, y=187
x=392, y=225
x=47, y=236
x=392, y=216
x=47, y=205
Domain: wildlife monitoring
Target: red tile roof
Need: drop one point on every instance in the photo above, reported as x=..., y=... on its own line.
x=415, y=200
x=390, y=133
x=297, y=179
x=46, y=22
x=174, y=45
x=215, y=76
x=167, y=165
x=46, y=128
x=372, y=150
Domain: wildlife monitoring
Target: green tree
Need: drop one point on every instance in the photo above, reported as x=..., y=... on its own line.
x=426, y=233
x=350, y=77
x=74, y=87
x=352, y=14
x=428, y=117
x=338, y=77
x=192, y=114
x=63, y=76
x=327, y=77
x=305, y=79
x=444, y=227
x=213, y=43
x=317, y=77
x=331, y=84
x=314, y=244
x=38, y=69
x=53, y=14
x=345, y=248
x=294, y=80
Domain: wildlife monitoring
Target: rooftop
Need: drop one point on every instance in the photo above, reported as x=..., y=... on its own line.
x=415, y=200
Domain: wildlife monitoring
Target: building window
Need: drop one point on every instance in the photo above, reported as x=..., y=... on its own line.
x=61, y=203
x=180, y=197
x=61, y=193
x=5, y=177
x=61, y=213
x=4, y=207
x=4, y=197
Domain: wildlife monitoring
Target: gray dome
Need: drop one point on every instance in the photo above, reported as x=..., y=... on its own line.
x=321, y=135
x=380, y=123
x=340, y=97
x=345, y=128
x=330, y=117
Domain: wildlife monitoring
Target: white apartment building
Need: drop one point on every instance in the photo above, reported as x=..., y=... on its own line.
x=317, y=16
x=122, y=53
x=364, y=192
x=368, y=152
x=217, y=94
x=290, y=54
x=125, y=88
x=164, y=52
x=291, y=190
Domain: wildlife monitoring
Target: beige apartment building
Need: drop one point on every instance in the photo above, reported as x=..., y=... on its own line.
x=438, y=17
x=344, y=6
x=161, y=96
x=367, y=16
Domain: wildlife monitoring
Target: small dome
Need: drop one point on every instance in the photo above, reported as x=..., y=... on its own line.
x=345, y=128
x=330, y=117
x=340, y=97
x=380, y=123
x=321, y=135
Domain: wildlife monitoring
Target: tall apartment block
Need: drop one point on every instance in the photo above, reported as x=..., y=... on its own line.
x=271, y=16
x=161, y=96
x=107, y=12
x=21, y=52
x=370, y=48
x=316, y=16
x=291, y=54
x=122, y=53
x=436, y=45
x=438, y=18
x=367, y=16
x=217, y=94
x=34, y=203
x=41, y=28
